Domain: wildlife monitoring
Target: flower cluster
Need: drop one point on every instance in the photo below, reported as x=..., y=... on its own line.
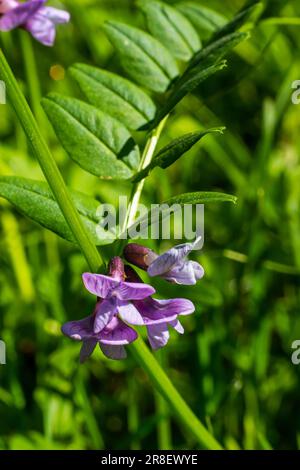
x=33, y=16
x=123, y=299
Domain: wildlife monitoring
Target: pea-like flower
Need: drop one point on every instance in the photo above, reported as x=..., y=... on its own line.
x=33, y=16
x=114, y=307
x=112, y=339
x=159, y=315
x=172, y=265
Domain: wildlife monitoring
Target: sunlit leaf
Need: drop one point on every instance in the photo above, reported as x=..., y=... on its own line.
x=35, y=200
x=205, y=20
x=99, y=143
x=191, y=81
x=173, y=151
x=115, y=95
x=201, y=197
x=239, y=20
x=171, y=28
x=143, y=57
x=161, y=211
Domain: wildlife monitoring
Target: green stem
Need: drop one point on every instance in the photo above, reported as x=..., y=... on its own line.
x=159, y=379
x=133, y=414
x=48, y=165
x=32, y=78
x=163, y=384
x=164, y=433
x=137, y=188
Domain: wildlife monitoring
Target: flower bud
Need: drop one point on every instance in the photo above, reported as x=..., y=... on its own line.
x=6, y=5
x=116, y=268
x=139, y=255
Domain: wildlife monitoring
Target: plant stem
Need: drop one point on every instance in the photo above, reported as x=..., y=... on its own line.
x=48, y=165
x=31, y=73
x=164, y=433
x=137, y=188
x=163, y=384
x=158, y=377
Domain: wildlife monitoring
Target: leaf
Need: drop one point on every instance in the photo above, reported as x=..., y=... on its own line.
x=216, y=50
x=35, y=200
x=144, y=58
x=173, y=151
x=115, y=95
x=158, y=213
x=205, y=20
x=99, y=143
x=201, y=197
x=190, y=82
x=171, y=28
x=204, y=64
x=239, y=20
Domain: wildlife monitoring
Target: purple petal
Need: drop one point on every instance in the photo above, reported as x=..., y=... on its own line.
x=20, y=15
x=198, y=270
x=134, y=291
x=156, y=311
x=100, y=285
x=55, y=15
x=117, y=333
x=187, y=273
x=158, y=335
x=104, y=313
x=172, y=257
x=87, y=348
x=79, y=330
x=129, y=313
x=177, y=326
x=42, y=29
x=113, y=352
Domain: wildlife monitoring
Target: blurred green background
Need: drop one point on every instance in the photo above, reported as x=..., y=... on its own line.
x=233, y=365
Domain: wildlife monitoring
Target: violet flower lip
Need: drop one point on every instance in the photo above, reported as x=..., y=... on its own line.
x=111, y=339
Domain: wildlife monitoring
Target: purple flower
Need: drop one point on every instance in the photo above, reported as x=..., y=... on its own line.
x=106, y=325
x=117, y=296
x=111, y=339
x=172, y=265
x=32, y=15
x=158, y=315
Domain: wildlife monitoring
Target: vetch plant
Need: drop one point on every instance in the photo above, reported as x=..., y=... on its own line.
x=98, y=136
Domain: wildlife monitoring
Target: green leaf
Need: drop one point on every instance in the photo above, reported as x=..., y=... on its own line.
x=186, y=85
x=205, y=20
x=173, y=151
x=239, y=20
x=35, y=200
x=99, y=143
x=115, y=95
x=201, y=197
x=157, y=214
x=216, y=50
x=171, y=28
x=144, y=58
